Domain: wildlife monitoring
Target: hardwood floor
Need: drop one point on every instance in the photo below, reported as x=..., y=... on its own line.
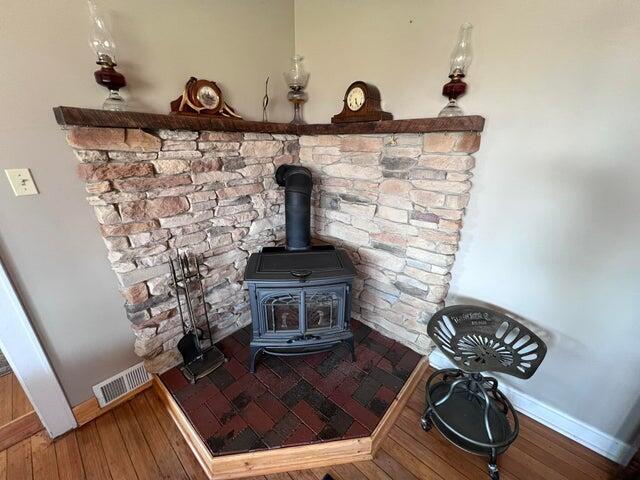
x=17, y=417
x=13, y=401
x=138, y=440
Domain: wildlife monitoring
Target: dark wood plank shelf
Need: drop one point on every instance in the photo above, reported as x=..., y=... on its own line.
x=86, y=117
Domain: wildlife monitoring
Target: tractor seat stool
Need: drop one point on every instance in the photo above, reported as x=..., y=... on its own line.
x=463, y=403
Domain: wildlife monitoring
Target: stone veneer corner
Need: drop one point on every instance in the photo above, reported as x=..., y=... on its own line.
x=395, y=202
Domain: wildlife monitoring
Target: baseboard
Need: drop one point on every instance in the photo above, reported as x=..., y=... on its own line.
x=90, y=409
x=18, y=429
x=583, y=433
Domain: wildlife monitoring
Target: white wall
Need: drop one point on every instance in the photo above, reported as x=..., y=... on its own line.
x=552, y=230
x=50, y=242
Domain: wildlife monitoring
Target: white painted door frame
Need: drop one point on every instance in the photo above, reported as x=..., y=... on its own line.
x=21, y=347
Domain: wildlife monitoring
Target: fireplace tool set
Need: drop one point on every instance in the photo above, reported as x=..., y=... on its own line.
x=465, y=405
x=198, y=360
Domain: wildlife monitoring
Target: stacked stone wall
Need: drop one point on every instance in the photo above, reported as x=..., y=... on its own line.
x=160, y=192
x=394, y=202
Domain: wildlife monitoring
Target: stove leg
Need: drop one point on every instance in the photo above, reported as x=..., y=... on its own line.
x=493, y=467
x=252, y=358
x=352, y=348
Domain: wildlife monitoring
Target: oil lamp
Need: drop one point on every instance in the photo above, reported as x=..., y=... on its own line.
x=297, y=78
x=460, y=61
x=101, y=42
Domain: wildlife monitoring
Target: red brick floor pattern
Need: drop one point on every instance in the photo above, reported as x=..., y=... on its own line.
x=293, y=400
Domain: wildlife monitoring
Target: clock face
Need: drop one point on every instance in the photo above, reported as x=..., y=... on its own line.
x=208, y=97
x=355, y=99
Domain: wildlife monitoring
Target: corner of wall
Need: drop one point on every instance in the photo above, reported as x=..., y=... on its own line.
x=583, y=433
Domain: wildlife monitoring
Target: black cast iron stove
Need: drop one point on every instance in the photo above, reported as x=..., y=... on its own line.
x=300, y=294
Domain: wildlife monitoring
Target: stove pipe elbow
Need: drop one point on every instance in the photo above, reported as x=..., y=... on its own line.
x=297, y=183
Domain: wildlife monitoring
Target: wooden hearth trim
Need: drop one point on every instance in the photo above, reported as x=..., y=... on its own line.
x=197, y=446
x=266, y=462
x=85, y=117
x=287, y=459
x=380, y=433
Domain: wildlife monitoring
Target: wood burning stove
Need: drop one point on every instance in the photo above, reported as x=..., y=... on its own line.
x=300, y=294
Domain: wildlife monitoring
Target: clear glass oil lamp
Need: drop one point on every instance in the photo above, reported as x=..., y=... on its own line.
x=101, y=42
x=460, y=61
x=297, y=78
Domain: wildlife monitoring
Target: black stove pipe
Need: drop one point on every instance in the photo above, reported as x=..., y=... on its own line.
x=297, y=183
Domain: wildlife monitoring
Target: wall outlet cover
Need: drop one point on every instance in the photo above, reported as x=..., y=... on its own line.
x=21, y=181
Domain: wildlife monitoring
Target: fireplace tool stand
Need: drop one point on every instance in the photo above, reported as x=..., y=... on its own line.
x=198, y=361
x=466, y=406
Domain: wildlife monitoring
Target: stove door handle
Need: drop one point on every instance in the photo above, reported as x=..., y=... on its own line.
x=301, y=273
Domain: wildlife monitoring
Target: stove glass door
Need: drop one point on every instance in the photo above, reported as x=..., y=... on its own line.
x=323, y=309
x=281, y=311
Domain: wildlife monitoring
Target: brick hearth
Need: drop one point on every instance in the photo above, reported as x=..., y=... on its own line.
x=394, y=201
x=293, y=400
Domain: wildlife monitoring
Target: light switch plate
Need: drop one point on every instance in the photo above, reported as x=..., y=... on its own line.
x=21, y=181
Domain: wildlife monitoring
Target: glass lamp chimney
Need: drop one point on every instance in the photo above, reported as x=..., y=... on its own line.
x=100, y=38
x=462, y=54
x=296, y=77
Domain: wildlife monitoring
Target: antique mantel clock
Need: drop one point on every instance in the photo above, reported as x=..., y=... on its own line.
x=361, y=104
x=202, y=97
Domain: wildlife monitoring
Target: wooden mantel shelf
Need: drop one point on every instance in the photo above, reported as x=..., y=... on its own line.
x=86, y=117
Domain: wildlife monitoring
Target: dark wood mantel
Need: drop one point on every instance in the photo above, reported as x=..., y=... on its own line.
x=86, y=117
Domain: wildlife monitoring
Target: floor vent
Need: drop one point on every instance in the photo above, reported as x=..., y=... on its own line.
x=121, y=384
